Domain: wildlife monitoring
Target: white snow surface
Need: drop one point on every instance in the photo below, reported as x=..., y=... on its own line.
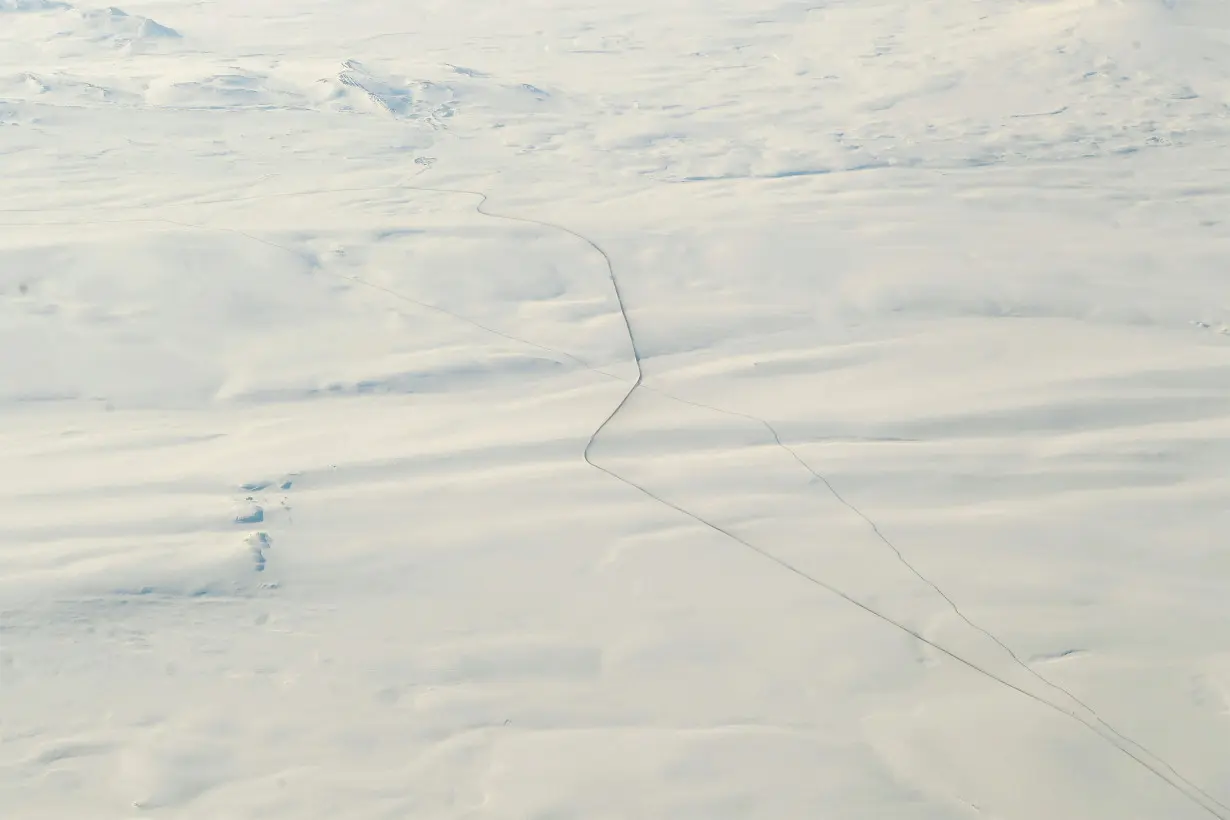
x=918, y=509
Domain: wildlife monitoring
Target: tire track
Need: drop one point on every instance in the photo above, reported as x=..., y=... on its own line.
x=1093, y=722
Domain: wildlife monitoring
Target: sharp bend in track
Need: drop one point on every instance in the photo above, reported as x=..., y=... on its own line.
x=619, y=299
x=1094, y=723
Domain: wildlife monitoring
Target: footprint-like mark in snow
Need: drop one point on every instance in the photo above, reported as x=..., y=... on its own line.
x=257, y=498
x=259, y=542
x=253, y=514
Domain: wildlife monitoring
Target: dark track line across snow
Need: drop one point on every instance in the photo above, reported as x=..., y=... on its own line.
x=1094, y=722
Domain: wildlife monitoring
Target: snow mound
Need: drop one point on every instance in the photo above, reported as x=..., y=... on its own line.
x=361, y=88
x=432, y=97
x=49, y=27
x=991, y=83
x=234, y=89
x=31, y=5
x=123, y=28
x=61, y=88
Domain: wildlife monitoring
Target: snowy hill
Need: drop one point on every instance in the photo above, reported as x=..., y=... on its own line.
x=653, y=410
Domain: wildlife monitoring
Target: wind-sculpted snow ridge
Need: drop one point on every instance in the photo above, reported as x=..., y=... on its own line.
x=430, y=102
x=1073, y=80
x=71, y=31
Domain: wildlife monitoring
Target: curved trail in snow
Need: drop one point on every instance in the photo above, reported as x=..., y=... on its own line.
x=1094, y=723
x=1091, y=720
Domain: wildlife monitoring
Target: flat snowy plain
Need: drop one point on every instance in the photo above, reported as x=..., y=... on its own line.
x=297, y=514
